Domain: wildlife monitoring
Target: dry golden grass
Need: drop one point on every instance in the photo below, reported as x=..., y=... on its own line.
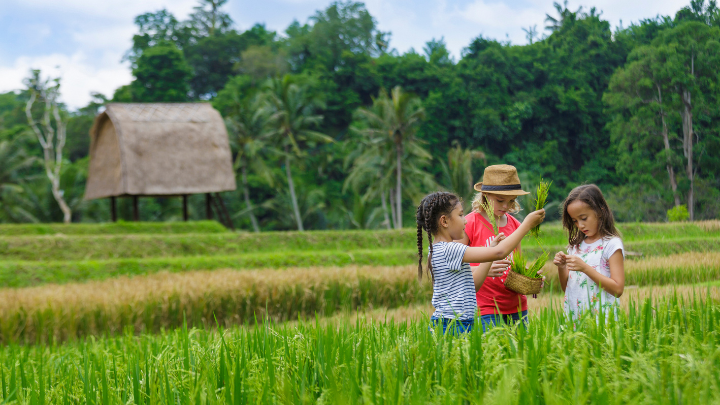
x=163, y=300
x=709, y=226
x=150, y=303
x=683, y=268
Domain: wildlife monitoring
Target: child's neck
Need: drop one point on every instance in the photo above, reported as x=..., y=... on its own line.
x=501, y=220
x=442, y=237
x=594, y=238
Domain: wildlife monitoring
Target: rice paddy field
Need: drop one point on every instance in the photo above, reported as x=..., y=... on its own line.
x=189, y=313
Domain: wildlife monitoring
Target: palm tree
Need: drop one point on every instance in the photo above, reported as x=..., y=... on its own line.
x=391, y=125
x=564, y=15
x=458, y=169
x=246, y=125
x=12, y=160
x=291, y=118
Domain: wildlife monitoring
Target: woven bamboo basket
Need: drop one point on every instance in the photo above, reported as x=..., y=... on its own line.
x=522, y=284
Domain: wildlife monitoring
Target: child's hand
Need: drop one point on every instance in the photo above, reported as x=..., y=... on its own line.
x=498, y=268
x=575, y=263
x=497, y=239
x=535, y=218
x=539, y=272
x=560, y=260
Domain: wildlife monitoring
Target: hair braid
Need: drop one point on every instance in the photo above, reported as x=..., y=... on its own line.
x=427, y=215
x=419, y=219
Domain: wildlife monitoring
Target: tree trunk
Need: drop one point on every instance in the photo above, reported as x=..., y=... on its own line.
x=398, y=186
x=385, y=209
x=292, y=190
x=52, y=152
x=666, y=141
x=58, y=194
x=392, y=208
x=688, y=136
x=248, y=203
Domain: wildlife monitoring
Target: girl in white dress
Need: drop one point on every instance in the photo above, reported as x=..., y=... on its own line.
x=592, y=273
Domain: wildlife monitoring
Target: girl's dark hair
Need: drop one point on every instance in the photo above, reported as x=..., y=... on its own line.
x=591, y=195
x=431, y=208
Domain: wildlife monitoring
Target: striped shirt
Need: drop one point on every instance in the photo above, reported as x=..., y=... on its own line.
x=453, y=288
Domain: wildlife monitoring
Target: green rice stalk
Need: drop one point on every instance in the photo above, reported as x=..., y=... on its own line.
x=520, y=265
x=489, y=209
x=541, y=196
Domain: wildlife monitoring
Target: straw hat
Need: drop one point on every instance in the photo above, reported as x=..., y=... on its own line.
x=500, y=179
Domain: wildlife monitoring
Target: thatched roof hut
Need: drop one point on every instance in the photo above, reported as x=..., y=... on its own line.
x=158, y=149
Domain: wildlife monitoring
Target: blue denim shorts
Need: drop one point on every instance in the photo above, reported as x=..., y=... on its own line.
x=452, y=326
x=509, y=319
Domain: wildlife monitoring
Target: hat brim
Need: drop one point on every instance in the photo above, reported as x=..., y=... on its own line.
x=478, y=187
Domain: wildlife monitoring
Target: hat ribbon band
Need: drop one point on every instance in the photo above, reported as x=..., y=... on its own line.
x=501, y=188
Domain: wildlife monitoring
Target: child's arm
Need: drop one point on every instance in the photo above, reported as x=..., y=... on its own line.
x=491, y=269
x=561, y=264
x=499, y=252
x=615, y=284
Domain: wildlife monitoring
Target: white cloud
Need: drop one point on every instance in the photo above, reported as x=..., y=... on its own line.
x=79, y=76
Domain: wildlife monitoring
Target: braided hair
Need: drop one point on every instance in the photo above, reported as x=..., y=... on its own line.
x=431, y=208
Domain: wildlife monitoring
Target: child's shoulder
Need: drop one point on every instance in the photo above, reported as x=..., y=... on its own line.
x=613, y=244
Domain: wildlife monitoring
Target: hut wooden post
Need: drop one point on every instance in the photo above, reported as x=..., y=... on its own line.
x=113, y=209
x=136, y=209
x=208, y=206
x=185, y=209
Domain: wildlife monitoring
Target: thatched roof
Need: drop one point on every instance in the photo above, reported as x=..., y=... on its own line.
x=159, y=149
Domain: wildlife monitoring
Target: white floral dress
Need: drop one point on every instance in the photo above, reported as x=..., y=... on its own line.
x=582, y=293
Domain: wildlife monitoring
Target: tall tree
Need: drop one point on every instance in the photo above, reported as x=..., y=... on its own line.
x=292, y=120
x=248, y=135
x=674, y=77
x=394, y=121
x=458, y=171
x=638, y=97
x=50, y=131
x=161, y=75
x=691, y=72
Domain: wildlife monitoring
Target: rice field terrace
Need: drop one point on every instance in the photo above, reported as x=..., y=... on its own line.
x=149, y=313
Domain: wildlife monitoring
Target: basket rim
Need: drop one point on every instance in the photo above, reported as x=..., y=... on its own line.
x=531, y=279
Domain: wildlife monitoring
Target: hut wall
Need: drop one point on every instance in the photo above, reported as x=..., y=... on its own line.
x=105, y=169
x=166, y=158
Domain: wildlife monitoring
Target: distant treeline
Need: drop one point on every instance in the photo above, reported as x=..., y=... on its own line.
x=320, y=115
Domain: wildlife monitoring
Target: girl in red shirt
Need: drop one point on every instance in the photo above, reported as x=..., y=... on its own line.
x=501, y=186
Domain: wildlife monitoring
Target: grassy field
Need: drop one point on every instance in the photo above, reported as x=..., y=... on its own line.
x=96, y=314
x=662, y=351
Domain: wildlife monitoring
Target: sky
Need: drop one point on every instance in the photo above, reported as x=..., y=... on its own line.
x=83, y=41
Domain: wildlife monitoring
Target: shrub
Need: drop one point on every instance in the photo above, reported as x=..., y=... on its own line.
x=678, y=214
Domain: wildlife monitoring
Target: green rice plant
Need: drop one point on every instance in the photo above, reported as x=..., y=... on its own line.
x=489, y=209
x=26, y=273
x=113, y=228
x=541, y=195
x=657, y=351
x=521, y=266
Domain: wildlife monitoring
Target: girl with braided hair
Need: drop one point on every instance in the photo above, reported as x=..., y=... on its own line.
x=441, y=215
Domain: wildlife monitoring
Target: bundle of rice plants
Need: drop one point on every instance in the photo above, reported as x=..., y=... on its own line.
x=521, y=266
x=541, y=196
x=489, y=209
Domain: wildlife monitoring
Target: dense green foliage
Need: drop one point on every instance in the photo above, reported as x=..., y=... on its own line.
x=582, y=104
x=659, y=352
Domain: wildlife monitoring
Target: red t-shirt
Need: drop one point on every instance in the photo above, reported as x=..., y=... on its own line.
x=493, y=295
